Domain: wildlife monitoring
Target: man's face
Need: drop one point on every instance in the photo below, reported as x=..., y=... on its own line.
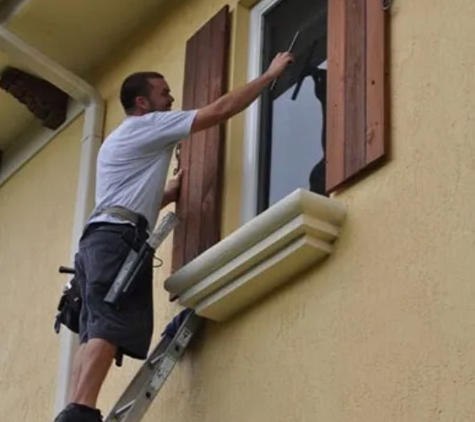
x=158, y=99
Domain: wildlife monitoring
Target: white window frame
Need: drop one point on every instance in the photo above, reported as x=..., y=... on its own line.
x=251, y=137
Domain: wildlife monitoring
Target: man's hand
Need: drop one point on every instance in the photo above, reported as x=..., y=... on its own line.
x=278, y=65
x=172, y=189
x=173, y=185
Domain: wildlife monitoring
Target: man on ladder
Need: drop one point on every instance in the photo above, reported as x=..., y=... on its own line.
x=132, y=168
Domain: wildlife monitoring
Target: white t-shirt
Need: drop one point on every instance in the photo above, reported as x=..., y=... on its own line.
x=133, y=162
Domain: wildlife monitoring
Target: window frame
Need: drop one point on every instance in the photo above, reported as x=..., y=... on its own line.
x=253, y=113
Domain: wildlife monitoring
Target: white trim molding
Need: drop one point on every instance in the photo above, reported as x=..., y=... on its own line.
x=251, y=144
x=289, y=237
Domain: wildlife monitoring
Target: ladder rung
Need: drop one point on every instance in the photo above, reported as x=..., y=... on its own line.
x=123, y=409
x=160, y=376
x=154, y=361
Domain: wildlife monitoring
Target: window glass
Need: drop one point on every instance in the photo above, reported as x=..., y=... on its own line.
x=296, y=128
x=292, y=121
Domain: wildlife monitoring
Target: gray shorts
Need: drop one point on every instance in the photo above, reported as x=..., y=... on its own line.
x=102, y=250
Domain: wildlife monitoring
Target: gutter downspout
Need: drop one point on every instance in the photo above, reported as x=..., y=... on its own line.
x=41, y=65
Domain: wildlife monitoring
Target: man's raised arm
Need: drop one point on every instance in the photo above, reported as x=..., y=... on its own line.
x=236, y=101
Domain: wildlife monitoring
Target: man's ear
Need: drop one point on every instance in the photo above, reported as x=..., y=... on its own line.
x=142, y=103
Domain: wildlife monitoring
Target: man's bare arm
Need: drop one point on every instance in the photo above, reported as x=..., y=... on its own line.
x=236, y=101
x=172, y=190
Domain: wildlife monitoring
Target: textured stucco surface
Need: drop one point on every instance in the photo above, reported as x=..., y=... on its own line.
x=382, y=331
x=36, y=217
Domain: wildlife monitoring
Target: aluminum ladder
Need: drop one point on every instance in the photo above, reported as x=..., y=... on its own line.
x=137, y=398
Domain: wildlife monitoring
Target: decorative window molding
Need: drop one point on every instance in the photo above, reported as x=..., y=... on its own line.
x=270, y=250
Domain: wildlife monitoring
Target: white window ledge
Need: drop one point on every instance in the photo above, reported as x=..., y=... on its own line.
x=268, y=251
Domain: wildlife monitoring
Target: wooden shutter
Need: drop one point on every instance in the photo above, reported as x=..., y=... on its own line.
x=201, y=157
x=356, y=89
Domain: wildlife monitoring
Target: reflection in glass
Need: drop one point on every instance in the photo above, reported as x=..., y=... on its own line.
x=296, y=127
x=292, y=115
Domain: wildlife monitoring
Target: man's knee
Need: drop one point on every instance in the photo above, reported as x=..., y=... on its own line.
x=100, y=348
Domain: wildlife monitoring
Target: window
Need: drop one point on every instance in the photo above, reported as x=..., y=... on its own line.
x=291, y=117
x=288, y=131
x=323, y=122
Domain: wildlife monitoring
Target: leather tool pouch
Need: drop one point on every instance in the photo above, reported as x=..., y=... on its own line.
x=69, y=308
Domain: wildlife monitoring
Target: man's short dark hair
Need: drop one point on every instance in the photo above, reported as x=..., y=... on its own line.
x=136, y=85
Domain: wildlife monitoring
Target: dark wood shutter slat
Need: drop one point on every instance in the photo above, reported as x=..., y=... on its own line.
x=213, y=173
x=355, y=83
x=335, y=142
x=357, y=113
x=375, y=81
x=198, y=146
x=199, y=206
x=179, y=239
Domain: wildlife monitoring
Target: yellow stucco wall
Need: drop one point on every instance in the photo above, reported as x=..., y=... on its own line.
x=382, y=331
x=36, y=217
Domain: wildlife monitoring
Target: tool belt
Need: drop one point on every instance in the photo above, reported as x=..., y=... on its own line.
x=138, y=220
x=69, y=307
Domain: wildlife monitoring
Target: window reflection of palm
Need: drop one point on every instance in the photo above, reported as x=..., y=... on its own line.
x=317, y=175
x=319, y=76
x=311, y=68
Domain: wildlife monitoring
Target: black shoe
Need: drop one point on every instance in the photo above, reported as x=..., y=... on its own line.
x=78, y=413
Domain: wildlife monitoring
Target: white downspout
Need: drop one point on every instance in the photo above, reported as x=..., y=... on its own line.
x=39, y=64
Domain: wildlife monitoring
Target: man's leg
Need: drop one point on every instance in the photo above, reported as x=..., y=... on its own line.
x=96, y=359
x=76, y=371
